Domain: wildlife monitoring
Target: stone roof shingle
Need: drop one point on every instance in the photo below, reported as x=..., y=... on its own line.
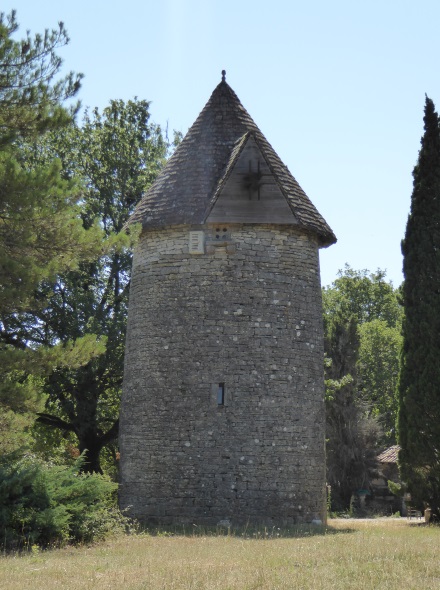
x=186, y=189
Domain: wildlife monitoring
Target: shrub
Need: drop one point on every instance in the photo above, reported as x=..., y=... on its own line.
x=48, y=505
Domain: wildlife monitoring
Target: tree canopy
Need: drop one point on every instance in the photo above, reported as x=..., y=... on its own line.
x=115, y=155
x=65, y=194
x=362, y=318
x=41, y=230
x=31, y=96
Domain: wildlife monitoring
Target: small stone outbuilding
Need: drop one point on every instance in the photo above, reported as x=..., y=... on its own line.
x=222, y=413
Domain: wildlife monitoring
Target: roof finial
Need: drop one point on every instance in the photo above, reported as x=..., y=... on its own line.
x=223, y=75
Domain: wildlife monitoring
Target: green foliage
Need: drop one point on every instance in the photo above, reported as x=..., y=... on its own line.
x=30, y=96
x=15, y=428
x=42, y=361
x=114, y=156
x=352, y=436
x=419, y=382
x=334, y=386
x=51, y=505
x=363, y=295
x=41, y=230
x=362, y=320
x=378, y=371
x=397, y=488
x=361, y=326
x=65, y=260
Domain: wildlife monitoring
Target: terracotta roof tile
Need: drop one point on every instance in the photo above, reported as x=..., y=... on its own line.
x=188, y=186
x=389, y=455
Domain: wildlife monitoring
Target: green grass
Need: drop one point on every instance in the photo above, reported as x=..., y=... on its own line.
x=380, y=554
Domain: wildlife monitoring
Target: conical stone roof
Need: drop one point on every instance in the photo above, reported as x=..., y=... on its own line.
x=187, y=188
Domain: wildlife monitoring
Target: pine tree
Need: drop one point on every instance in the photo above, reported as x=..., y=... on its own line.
x=41, y=230
x=419, y=382
x=31, y=97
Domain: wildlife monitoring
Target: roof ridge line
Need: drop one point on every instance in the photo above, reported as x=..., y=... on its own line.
x=260, y=143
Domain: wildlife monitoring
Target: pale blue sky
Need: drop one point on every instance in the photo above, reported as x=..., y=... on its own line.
x=338, y=89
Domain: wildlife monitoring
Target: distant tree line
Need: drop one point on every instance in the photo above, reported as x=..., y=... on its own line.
x=383, y=349
x=362, y=327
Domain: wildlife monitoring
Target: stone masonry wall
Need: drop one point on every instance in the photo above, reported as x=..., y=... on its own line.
x=247, y=314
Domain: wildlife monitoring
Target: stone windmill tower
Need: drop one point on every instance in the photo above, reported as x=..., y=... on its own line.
x=222, y=412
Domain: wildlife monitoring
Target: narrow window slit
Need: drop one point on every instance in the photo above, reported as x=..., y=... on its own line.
x=221, y=394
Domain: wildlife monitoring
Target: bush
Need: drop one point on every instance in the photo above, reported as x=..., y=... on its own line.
x=50, y=505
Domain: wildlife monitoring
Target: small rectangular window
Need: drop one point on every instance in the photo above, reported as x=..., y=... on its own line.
x=221, y=394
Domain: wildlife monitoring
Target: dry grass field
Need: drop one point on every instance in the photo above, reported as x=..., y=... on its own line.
x=382, y=554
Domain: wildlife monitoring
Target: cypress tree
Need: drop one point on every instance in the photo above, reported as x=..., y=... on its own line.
x=419, y=382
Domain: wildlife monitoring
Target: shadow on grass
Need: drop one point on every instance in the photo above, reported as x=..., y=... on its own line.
x=244, y=532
